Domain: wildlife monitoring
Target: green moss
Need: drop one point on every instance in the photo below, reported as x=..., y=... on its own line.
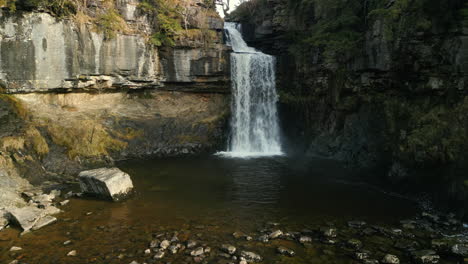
x=110, y=23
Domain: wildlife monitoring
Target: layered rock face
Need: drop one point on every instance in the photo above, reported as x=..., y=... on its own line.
x=374, y=83
x=74, y=95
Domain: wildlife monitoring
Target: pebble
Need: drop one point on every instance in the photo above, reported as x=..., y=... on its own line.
x=159, y=255
x=72, y=253
x=305, y=239
x=275, y=234
x=165, y=244
x=191, y=243
x=197, y=252
x=390, y=259
x=230, y=249
x=66, y=243
x=251, y=256
x=65, y=202
x=285, y=251
x=329, y=232
x=147, y=251
x=15, y=249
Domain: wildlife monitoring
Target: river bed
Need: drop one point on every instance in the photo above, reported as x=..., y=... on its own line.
x=207, y=199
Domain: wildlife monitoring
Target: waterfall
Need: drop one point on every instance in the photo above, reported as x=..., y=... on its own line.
x=254, y=124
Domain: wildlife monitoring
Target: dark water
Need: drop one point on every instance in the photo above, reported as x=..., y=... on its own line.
x=209, y=198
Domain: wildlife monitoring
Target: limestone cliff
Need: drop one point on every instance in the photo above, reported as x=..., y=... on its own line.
x=374, y=83
x=85, y=88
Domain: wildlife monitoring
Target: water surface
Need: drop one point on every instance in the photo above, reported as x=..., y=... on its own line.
x=209, y=198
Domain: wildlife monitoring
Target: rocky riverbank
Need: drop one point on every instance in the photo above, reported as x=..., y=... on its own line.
x=428, y=238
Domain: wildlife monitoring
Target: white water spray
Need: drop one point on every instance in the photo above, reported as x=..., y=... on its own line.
x=254, y=124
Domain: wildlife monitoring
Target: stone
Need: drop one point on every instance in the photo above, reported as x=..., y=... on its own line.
x=329, y=232
x=251, y=256
x=305, y=239
x=460, y=250
x=12, y=249
x=238, y=235
x=147, y=251
x=354, y=244
x=425, y=257
x=159, y=255
x=285, y=251
x=243, y=262
x=72, y=253
x=275, y=234
x=26, y=217
x=191, y=243
x=3, y=219
x=197, y=252
x=164, y=244
x=173, y=249
x=390, y=259
x=44, y=221
x=230, y=249
x=264, y=238
x=66, y=243
x=356, y=224
x=370, y=261
x=361, y=255
x=154, y=243
x=64, y=202
x=110, y=183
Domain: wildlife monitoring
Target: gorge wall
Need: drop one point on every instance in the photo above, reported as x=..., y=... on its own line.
x=377, y=84
x=107, y=82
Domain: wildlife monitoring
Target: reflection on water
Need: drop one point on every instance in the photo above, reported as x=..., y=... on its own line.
x=223, y=195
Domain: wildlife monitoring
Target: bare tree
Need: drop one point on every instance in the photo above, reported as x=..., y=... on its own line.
x=225, y=4
x=184, y=11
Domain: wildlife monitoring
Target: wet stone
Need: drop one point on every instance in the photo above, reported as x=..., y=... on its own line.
x=305, y=239
x=460, y=250
x=14, y=248
x=224, y=255
x=159, y=255
x=285, y=251
x=390, y=259
x=370, y=261
x=165, y=244
x=354, y=244
x=230, y=249
x=45, y=221
x=264, y=238
x=154, y=243
x=191, y=243
x=72, y=253
x=251, y=256
x=66, y=243
x=173, y=249
x=425, y=257
x=328, y=232
x=356, y=224
x=197, y=252
x=147, y=251
x=361, y=255
x=275, y=234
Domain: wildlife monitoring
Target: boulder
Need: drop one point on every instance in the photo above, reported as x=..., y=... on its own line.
x=25, y=217
x=110, y=183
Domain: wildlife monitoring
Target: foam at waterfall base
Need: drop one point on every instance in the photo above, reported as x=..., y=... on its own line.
x=248, y=155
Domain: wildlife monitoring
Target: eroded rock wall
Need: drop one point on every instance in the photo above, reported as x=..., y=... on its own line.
x=377, y=84
x=73, y=96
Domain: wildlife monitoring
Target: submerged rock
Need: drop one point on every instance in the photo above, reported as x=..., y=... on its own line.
x=390, y=259
x=285, y=251
x=425, y=257
x=47, y=220
x=251, y=256
x=109, y=183
x=197, y=252
x=31, y=217
x=230, y=249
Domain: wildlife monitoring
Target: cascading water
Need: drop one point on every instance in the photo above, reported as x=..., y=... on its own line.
x=254, y=124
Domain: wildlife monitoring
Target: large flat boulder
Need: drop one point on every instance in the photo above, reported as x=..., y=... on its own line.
x=31, y=217
x=109, y=183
